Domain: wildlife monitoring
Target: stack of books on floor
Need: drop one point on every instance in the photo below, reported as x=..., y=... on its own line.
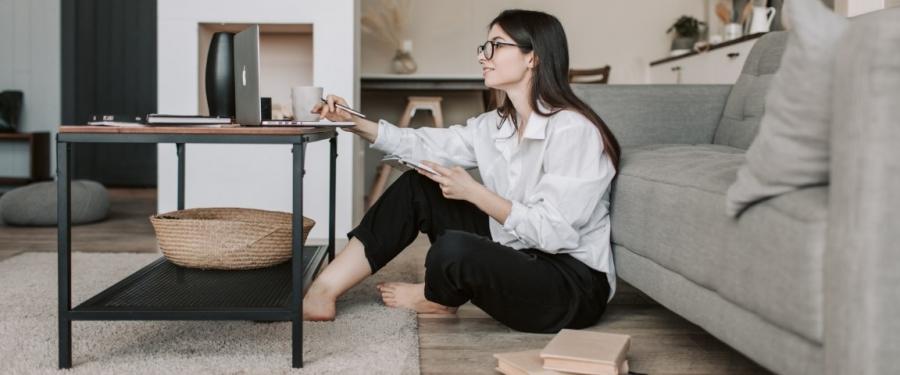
x=154, y=119
x=571, y=352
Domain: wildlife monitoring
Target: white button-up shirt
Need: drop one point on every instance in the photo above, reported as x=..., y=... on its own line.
x=558, y=178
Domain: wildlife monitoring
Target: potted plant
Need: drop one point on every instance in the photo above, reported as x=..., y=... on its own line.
x=687, y=31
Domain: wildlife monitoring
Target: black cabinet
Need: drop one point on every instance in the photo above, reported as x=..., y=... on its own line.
x=109, y=67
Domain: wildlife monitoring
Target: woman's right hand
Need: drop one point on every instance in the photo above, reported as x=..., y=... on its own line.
x=329, y=110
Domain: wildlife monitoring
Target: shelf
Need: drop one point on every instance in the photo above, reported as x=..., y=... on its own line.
x=286, y=57
x=16, y=136
x=422, y=82
x=711, y=47
x=16, y=180
x=264, y=28
x=38, y=158
x=165, y=291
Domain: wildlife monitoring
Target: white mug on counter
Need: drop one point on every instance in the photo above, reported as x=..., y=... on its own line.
x=303, y=99
x=733, y=30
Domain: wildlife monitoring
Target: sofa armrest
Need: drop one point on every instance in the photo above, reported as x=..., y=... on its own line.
x=653, y=114
x=862, y=260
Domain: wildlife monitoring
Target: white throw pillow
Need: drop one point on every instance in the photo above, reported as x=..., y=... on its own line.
x=791, y=150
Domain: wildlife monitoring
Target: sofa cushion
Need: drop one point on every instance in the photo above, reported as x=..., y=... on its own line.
x=791, y=150
x=650, y=114
x=668, y=206
x=35, y=204
x=744, y=107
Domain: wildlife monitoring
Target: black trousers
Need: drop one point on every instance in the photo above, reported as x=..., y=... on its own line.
x=527, y=290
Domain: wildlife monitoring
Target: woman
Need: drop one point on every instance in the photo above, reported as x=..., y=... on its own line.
x=531, y=247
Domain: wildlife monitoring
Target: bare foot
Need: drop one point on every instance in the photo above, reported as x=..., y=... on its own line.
x=318, y=305
x=411, y=296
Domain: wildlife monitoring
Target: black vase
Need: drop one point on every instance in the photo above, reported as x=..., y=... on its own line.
x=10, y=110
x=220, y=75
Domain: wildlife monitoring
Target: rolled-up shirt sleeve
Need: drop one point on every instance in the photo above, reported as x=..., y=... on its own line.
x=452, y=146
x=577, y=173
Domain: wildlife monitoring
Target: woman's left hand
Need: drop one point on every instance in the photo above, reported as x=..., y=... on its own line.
x=455, y=182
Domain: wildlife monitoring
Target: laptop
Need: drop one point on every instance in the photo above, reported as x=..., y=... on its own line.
x=248, y=108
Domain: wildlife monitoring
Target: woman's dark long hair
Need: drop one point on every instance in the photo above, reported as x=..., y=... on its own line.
x=544, y=34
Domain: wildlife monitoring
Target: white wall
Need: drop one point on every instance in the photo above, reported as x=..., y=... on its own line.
x=256, y=176
x=625, y=34
x=852, y=8
x=30, y=61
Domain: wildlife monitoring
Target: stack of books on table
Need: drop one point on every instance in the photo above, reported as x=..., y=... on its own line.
x=154, y=119
x=571, y=352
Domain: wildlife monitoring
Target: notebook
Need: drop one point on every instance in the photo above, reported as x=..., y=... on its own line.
x=587, y=352
x=527, y=362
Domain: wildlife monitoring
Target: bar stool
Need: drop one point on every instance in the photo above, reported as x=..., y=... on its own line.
x=413, y=104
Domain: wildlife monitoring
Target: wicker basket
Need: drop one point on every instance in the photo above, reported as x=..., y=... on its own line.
x=226, y=238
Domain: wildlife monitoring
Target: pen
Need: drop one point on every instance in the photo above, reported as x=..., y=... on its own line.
x=348, y=109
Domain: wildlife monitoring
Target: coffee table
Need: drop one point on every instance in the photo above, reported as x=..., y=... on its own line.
x=165, y=291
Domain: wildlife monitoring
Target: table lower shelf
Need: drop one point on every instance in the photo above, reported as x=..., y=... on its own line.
x=165, y=291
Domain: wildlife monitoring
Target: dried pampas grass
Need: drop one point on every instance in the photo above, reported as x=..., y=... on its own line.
x=386, y=20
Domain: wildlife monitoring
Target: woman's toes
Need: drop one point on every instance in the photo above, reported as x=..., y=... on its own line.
x=385, y=287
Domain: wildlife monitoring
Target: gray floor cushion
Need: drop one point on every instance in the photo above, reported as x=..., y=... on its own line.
x=35, y=204
x=668, y=205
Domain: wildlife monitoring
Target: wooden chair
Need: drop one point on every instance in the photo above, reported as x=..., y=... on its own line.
x=413, y=104
x=599, y=75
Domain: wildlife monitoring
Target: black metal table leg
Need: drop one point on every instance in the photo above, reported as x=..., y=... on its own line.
x=331, y=198
x=179, y=149
x=64, y=242
x=299, y=150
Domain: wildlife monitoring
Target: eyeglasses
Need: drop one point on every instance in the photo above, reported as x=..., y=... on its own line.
x=488, y=48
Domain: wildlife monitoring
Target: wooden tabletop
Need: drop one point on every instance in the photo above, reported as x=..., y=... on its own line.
x=232, y=130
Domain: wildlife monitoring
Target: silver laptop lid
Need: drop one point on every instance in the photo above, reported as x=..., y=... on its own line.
x=246, y=77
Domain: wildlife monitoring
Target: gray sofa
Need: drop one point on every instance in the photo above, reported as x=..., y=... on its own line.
x=794, y=283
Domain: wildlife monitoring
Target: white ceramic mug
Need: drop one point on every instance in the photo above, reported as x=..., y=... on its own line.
x=733, y=30
x=303, y=99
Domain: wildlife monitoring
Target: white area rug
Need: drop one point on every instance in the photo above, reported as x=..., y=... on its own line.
x=366, y=336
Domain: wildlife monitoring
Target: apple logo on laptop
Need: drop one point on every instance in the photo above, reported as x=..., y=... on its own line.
x=244, y=75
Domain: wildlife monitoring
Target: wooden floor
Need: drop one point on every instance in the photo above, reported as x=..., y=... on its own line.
x=662, y=342
x=127, y=229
